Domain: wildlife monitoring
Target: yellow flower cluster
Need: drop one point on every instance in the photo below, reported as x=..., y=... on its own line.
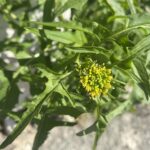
x=96, y=79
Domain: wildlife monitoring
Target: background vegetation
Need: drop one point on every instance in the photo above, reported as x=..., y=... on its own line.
x=50, y=39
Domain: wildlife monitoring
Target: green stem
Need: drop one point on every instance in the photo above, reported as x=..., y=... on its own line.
x=95, y=141
x=98, y=116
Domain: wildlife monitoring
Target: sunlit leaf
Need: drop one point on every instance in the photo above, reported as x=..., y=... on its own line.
x=70, y=4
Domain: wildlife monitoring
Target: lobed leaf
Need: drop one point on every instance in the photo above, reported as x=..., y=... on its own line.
x=45, y=125
x=53, y=81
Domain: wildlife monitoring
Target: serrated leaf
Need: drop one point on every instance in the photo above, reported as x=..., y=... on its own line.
x=26, y=118
x=66, y=110
x=45, y=125
x=53, y=81
x=41, y=134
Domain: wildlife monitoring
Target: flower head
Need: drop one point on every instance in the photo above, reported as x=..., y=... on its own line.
x=96, y=79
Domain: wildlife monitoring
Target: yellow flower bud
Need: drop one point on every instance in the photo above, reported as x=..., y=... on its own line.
x=96, y=79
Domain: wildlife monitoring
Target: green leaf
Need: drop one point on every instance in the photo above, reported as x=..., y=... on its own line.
x=66, y=37
x=140, y=47
x=42, y=132
x=116, y=7
x=4, y=83
x=23, y=55
x=100, y=51
x=66, y=110
x=26, y=118
x=63, y=37
x=63, y=91
x=83, y=50
x=53, y=81
x=139, y=19
x=131, y=6
x=125, y=31
x=101, y=124
x=33, y=30
x=48, y=13
x=70, y=4
x=45, y=125
x=119, y=109
x=2, y=2
x=11, y=97
x=65, y=24
x=141, y=69
x=144, y=82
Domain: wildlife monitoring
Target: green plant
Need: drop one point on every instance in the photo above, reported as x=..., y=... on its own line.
x=57, y=57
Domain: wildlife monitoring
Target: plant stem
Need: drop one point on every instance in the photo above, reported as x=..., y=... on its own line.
x=95, y=140
x=98, y=116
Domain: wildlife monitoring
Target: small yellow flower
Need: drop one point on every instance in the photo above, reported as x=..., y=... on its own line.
x=96, y=79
